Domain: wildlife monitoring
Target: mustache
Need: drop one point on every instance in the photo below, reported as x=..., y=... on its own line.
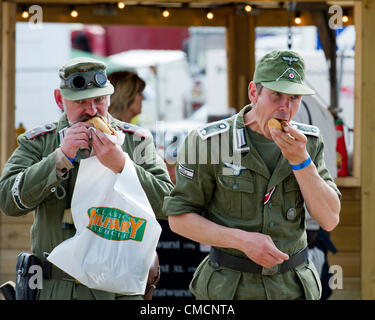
x=86, y=117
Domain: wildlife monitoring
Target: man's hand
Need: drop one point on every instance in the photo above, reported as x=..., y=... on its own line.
x=292, y=144
x=257, y=246
x=261, y=249
x=109, y=154
x=77, y=136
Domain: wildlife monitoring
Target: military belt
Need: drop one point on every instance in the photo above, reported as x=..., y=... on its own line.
x=51, y=272
x=247, y=265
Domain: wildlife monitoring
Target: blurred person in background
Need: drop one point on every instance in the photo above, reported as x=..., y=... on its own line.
x=126, y=102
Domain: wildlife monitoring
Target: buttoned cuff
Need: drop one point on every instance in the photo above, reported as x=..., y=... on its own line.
x=63, y=165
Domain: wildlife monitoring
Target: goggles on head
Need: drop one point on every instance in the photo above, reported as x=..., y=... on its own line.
x=85, y=80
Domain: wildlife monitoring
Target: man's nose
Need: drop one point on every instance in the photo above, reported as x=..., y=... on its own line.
x=285, y=103
x=92, y=109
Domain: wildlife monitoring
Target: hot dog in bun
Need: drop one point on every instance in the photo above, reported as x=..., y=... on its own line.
x=100, y=123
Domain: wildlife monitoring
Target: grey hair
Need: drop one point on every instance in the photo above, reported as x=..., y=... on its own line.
x=259, y=87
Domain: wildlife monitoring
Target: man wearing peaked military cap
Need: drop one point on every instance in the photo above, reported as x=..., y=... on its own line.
x=248, y=205
x=41, y=173
x=83, y=79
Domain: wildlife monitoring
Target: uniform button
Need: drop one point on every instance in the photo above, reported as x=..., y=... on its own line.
x=291, y=213
x=270, y=205
x=272, y=224
x=48, y=126
x=53, y=189
x=63, y=170
x=215, y=265
x=235, y=186
x=222, y=126
x=204, y=132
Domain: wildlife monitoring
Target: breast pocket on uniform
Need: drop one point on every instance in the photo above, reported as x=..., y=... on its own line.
x=235, y=195
x=293, y=200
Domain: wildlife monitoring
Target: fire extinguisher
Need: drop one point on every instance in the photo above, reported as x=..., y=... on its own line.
x=341, y=153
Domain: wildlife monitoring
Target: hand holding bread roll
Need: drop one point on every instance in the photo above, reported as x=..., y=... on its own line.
x=100, y=123
x=274, y=123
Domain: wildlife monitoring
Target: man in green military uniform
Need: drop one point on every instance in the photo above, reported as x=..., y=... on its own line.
x=241, y=187
x=41, y=173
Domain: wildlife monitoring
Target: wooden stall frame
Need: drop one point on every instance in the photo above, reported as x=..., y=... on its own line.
x=363, y=164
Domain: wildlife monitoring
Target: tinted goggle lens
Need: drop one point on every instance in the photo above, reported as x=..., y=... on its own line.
x=82, y=81
x=79, y=82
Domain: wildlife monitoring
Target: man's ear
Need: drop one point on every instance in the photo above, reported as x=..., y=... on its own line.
x=253, y=93
x=59, y=99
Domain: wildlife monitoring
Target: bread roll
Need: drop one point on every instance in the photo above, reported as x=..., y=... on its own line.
x=100, y=123
x=274, y=124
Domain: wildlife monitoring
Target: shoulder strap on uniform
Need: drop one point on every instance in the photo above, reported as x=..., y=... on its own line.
x=306, y=129
x=40, y=130
x=131, y=128
x=213, y=129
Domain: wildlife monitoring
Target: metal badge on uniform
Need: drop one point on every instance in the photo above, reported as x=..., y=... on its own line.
x=186, y=172
x=268, y=195
x=62, y=135
x=237, y=169
x=291, y=213
x=290, y=60
x=241, y=137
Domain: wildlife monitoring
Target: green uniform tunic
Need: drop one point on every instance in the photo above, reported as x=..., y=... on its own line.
x=30, y=182
x=229, y=189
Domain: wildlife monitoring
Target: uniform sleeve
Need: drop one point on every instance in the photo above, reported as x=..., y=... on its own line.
x=322, y=169
x=153, y=174
x=195, y=180
x=28, y=178
x=62, y=163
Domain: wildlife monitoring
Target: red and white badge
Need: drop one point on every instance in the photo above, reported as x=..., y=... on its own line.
x=268, y=195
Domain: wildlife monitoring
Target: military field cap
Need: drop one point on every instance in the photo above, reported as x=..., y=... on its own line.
x=282, y=71
x=84, y=78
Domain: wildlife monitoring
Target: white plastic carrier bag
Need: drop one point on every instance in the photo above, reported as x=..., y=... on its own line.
x=117, y=232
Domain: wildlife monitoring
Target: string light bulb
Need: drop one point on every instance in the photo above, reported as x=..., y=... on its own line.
x=165, y=13
x=24, y=13
x=210, y=15
x=297, y=18
x=74, y=13
x=345, y=17
x=248, y=8
x=121, y=5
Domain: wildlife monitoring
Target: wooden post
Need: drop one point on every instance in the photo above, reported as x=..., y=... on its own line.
x=367, y=68
x=328, y=41
x=7, y=89
x=240, y=57
x=7, y=82
x=357, y=95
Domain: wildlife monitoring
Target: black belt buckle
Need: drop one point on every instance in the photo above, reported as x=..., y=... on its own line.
x=271, y=271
